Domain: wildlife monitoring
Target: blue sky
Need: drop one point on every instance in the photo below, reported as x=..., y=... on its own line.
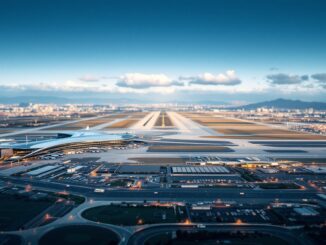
x=172, y=50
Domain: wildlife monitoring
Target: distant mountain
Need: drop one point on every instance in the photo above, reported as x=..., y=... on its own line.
x=285, y=104
x=34, y=99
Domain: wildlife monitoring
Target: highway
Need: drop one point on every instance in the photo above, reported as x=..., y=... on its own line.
x=243, y=195
x=290, y=237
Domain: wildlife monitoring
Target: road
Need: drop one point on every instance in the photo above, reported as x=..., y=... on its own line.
x=173, y=194
x=287, y=235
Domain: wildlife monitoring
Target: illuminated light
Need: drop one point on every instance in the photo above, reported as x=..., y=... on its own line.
x=93, y=174
x=238, y=221
x=140, y=222
x=187, y=222
x=138, y=184
x=64, y=193
x=28, y=188
x=47, y=217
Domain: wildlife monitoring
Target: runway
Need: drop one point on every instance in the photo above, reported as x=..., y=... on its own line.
x=187, y=131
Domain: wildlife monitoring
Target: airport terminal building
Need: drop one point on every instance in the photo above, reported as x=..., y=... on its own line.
x=74, y=140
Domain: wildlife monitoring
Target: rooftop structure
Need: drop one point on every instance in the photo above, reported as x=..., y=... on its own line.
x=71, y=140
x=306, y=211
x=200, y=170
x=139, y=169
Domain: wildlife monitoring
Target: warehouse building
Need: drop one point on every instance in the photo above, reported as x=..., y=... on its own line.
x=200, y=170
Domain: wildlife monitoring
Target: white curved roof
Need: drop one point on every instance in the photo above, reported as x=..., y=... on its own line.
x=76, y=137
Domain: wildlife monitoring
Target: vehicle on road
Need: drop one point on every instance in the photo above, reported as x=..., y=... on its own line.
x=201, y=226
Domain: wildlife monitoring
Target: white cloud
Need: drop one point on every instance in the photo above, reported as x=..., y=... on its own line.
x=228, y=78
x=67, y=86
x=89, y=78
x=143, y=81
x=85, y=87
x=142, y=84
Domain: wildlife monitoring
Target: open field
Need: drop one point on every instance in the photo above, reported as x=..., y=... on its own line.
x=121, y=182
x=238, y=129
x=14, y=214
x=291, y=143
x=83, y=124
x=79, y=234
x=163, y=121
x=21, y=122
x=160, y=160
x=138, y=115
x=188, y=148
x=279, y=186
x=123, y=124
x=131, y=215
x=270, y=137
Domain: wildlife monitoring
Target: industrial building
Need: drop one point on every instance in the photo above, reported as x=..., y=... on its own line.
x=200, y=170
x=139, y=169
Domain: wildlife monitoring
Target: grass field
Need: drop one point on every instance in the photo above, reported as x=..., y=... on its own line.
x=269, y=137
x=15, y=212
x=138, y=115
x=238, y=129
x=83, y=124
x=121, y=182
x=130, y=216
x=188, y=148
x=279, y=186
x=123, y=124
x=80, y=234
